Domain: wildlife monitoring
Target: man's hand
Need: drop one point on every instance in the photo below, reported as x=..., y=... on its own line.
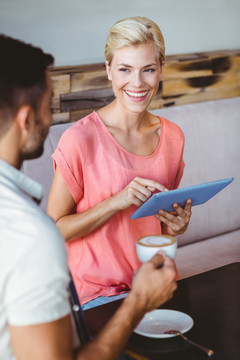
x=155, y=282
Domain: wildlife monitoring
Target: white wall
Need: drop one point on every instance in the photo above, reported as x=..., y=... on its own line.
x=74, y=31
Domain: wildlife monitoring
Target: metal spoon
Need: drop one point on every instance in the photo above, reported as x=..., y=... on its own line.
x=209, y=352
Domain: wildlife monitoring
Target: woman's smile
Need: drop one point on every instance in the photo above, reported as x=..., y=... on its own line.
x=137, y=95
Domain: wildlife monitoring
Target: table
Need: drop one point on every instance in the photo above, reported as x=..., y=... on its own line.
x=212, y=299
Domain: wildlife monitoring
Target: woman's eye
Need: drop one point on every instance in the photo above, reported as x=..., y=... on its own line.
x=124, y=70
x=149, y=70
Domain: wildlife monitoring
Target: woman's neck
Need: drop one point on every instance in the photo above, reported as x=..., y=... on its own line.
x=114, y=115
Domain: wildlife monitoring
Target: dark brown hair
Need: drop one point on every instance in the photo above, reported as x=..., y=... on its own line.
x=22, y=77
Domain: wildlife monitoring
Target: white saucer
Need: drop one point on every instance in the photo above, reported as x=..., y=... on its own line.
x=156, y=322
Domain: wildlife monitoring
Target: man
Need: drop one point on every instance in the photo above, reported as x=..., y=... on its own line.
x=35, y=318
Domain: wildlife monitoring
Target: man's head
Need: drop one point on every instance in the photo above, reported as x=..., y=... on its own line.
x=24, y=89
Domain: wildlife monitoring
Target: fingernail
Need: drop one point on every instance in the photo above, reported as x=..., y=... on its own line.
x=166, y=190
x=161, y=252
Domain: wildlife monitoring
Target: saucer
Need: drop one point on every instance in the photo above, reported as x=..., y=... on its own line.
x=155, y=323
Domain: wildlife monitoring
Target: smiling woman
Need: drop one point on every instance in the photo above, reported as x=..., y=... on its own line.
x=112, y=161
x=135, y=72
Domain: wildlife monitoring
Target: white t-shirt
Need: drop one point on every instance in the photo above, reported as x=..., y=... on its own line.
x=33, y=260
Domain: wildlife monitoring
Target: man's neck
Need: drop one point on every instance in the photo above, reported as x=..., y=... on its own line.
x=9, y=150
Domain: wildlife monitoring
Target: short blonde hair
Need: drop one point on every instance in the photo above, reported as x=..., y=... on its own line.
x=134, y=31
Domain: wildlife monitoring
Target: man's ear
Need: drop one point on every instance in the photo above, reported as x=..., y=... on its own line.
x=23, y=118
x=108, y=68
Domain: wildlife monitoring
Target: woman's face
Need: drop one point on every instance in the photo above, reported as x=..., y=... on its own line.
x=135, y=72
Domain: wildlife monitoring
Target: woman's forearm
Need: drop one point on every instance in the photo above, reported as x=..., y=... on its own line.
x=78, y=225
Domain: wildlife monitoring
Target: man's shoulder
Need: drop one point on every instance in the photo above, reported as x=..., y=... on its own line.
x=44, y=230
x=31, y=231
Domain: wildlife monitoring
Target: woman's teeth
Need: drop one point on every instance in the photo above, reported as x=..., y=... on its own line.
x=137, y=95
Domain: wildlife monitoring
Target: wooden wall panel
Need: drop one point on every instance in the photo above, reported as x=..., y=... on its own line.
x=90, y=80
x=187, y=78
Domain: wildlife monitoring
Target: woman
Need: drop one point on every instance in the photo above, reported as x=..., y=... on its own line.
x=111, y=162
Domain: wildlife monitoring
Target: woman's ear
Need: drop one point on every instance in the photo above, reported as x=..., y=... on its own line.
x=161, y=70
x=108, y=68
x=162, y=66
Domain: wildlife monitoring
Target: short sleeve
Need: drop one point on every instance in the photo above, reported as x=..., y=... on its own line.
x=174, y=142
x=181, y=165
x=67, y=157
x=179, y=174
x=37, y=287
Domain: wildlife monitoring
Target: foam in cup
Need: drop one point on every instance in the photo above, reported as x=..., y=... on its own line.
x=156, y=241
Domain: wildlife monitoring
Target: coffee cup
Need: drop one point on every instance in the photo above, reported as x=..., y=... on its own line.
x=148, y=246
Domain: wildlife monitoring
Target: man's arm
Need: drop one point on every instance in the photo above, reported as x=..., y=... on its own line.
x=48, y=341
x=153, y=285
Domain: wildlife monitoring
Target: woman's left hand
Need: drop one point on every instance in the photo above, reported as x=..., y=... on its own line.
x=175, y=222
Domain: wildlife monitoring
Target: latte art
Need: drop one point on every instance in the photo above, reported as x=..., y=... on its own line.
x=157, y=241
x=148, y=246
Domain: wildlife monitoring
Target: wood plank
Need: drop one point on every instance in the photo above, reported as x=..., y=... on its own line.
x=190, y=85
x=178, y=87
x=201, y=96
x=60, y=70
x=55, y=104
x=187, y=78
x=86, y=99
x=61, y=84
x=79, y=114
x=186, y=69
x=89, y=80
x=61, y=118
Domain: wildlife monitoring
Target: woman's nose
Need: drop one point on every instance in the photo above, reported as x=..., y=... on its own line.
x=137, y=79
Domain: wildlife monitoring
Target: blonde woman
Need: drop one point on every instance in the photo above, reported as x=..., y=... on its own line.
x=110, y=162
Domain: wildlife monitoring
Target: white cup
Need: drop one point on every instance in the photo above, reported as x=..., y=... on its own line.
x=148, y=246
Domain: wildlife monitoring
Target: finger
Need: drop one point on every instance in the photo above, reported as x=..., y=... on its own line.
x=151, y=183
x=179, y=210
x=169, y=262
x=184, y=214
x=158, y=259
x=152, y=189
x=172, y=216
x=141, y=189
x=138, y=198
x=188, y=205
x=185, y=210
x=174, y=222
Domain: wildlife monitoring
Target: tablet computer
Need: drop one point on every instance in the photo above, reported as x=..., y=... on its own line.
x=165, y=200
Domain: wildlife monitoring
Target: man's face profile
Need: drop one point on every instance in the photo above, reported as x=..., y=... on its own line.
x=42, y=119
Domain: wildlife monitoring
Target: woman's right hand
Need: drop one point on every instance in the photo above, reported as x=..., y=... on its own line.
x=75, y=225
x=137, y=192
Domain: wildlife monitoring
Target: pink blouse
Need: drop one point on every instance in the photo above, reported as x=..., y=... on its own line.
x=95, y=167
